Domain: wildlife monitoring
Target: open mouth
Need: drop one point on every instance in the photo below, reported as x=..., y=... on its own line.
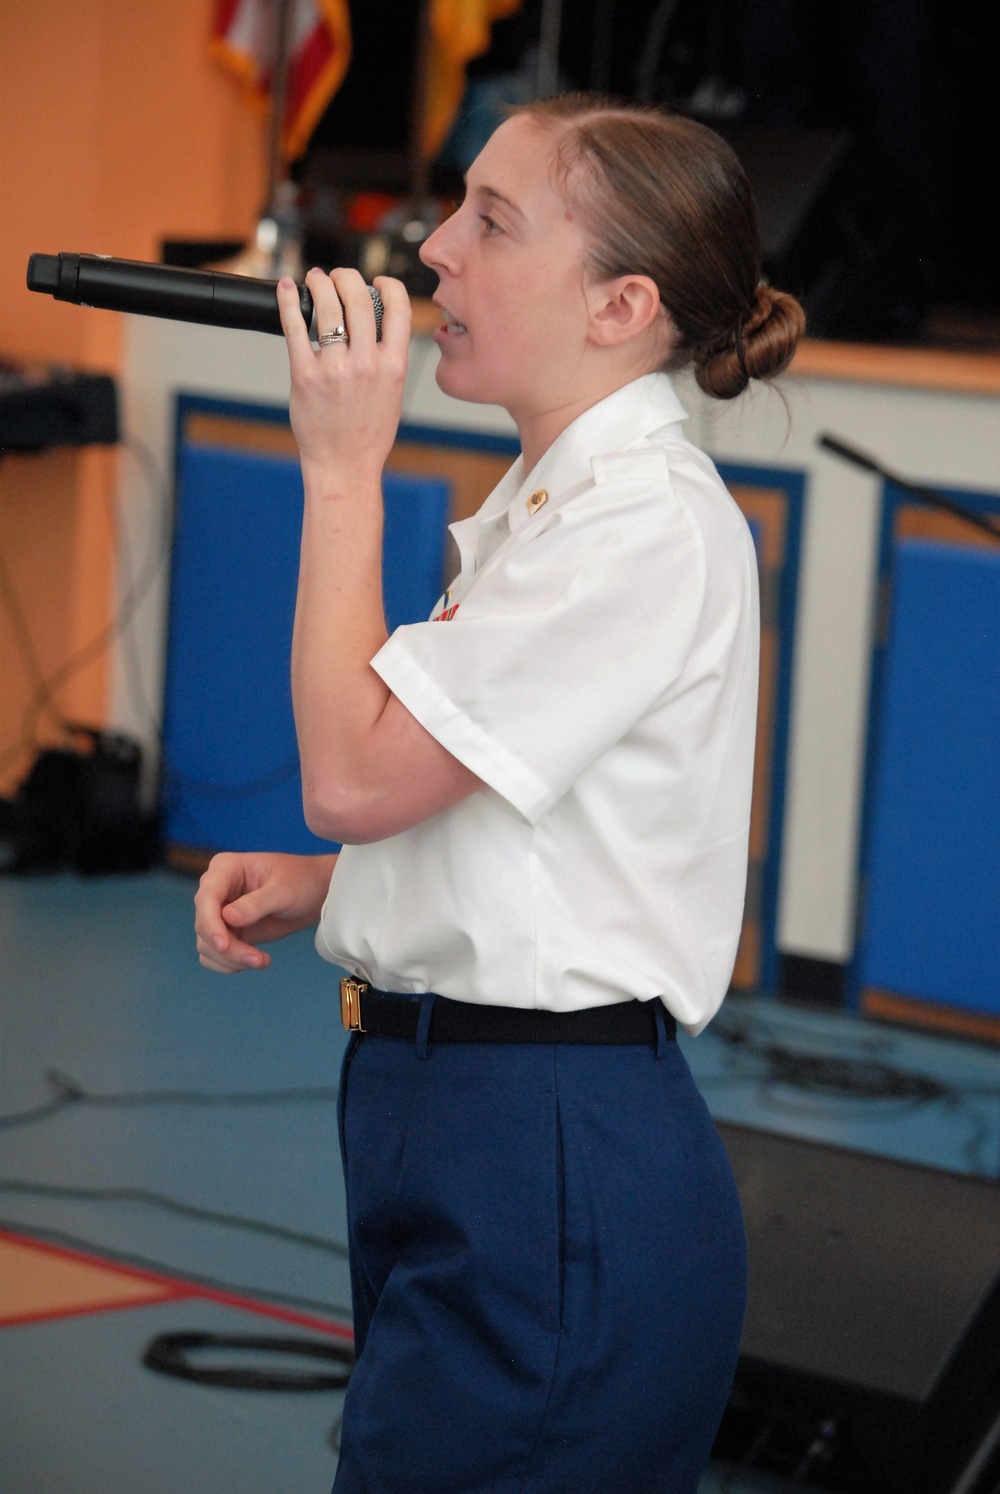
x=452, y=326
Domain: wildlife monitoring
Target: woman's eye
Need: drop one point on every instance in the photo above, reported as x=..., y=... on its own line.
x=489, y=225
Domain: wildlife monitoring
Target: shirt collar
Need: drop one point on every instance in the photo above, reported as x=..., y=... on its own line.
x=618, y=422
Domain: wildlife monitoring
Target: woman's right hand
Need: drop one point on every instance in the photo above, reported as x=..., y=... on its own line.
x=246, y=898
x=346, y=400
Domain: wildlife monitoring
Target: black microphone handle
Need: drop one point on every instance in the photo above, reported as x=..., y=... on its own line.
x=209, y=297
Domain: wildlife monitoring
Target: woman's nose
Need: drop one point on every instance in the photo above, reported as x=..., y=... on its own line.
x=437, y=250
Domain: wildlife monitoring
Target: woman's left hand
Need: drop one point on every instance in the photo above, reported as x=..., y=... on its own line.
x=346, y=398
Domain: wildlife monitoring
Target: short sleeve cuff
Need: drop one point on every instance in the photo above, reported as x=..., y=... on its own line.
x=464, y=739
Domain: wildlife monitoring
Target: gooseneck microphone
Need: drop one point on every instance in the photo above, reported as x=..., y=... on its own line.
x=210, y=297
x=840, y=448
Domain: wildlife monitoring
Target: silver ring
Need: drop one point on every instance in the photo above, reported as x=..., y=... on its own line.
x=339, y=334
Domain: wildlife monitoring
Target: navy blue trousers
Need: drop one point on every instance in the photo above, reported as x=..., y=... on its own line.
x=548, y=1270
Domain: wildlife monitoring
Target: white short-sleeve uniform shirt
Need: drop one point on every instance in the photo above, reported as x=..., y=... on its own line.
x=596, y=667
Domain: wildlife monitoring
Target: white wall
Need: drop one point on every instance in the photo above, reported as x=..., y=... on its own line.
x=944, y=438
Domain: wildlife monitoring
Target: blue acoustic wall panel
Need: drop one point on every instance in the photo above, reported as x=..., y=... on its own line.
x=230, y=767
x=772, y=500
x=930, y=925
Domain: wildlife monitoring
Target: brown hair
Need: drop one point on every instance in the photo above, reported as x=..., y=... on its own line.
x=666, y=197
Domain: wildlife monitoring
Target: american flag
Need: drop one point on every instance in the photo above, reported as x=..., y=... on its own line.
x=243, y=41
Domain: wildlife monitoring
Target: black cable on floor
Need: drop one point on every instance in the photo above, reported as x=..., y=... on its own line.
x=757, y=1056
x=174, y=1206
x=177, y=1355
x=67, y=1091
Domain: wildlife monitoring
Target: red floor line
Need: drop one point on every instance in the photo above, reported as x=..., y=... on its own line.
x=175, y=1288
x=56, y=1314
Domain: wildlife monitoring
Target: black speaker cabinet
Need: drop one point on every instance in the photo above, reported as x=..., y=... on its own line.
x=871, y=1352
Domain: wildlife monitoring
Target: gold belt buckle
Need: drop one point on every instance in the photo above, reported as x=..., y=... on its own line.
x=350, y=1002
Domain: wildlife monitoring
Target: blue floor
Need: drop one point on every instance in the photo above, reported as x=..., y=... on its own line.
x=136, y=1086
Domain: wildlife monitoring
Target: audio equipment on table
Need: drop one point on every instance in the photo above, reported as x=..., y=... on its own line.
x=54, y=406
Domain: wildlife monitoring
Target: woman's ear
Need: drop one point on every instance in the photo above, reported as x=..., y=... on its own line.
x=623, y=309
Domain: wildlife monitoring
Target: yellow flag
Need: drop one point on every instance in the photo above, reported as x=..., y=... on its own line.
x=460, y=30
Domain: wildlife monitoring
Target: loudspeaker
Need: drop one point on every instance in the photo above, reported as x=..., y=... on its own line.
x=870, y=1358
x=80, y=809
x=56, y=407
x=835, y=232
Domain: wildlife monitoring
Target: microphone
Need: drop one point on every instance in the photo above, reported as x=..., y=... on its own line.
x=840, y=448
x=210, y=297
x=847, y=453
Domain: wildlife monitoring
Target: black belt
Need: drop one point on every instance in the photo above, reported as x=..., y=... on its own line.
x=364, y=1009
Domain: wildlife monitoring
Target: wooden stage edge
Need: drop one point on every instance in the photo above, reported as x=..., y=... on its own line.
x=913, y=368
x=854, y=363
x=890, y=1006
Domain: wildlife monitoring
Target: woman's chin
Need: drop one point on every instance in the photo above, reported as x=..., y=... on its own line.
x=455, y=381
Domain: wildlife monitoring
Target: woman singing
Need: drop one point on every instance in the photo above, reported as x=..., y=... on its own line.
x=544, y=796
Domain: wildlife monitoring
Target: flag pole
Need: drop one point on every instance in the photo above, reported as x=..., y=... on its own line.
x=278, y=240
x=276, y=246
x=418, y=167
x=280, y=51
x=547, y=73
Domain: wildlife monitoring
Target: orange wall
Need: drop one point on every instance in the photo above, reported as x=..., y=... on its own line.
x=116, y=131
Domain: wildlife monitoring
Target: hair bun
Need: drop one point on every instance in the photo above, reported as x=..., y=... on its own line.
x=761, y=348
